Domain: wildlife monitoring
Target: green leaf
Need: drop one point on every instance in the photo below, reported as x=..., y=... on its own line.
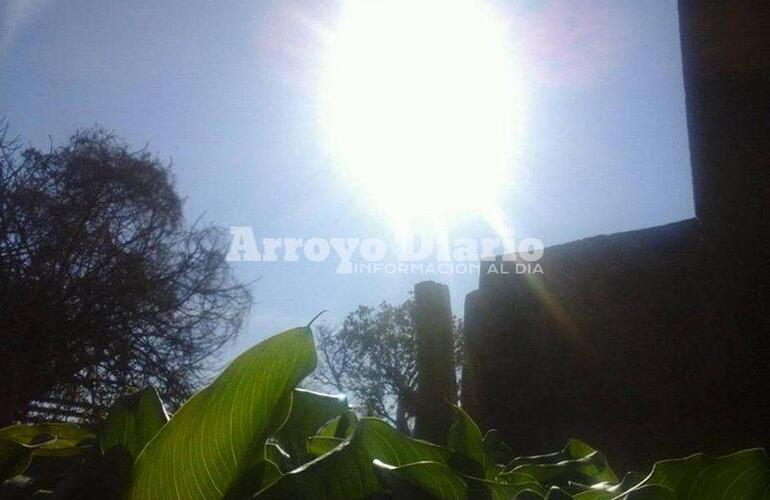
x=495, y=450
x=745, y=474
x=331, y=435
x=589, y=470
x=556, y=493
x=630, y=479
x=44, y=441
x=14, y=458
x=425, y=480
x=221, y=431
x=253, y=479
x=657, y=492
x=522, y=482
x=608, y=491
x=576, y=462
x=339, y=427
x=46, y=438
x=310, y=410
x=594, y=494
x=573, y=450
x=493, y=490
x=321, y=445
x=346, y=472
x=435, y=480
x=466, y=442
x=278, y=455
x=133, y=421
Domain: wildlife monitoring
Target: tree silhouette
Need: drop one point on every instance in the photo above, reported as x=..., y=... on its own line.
x=371, y=358
x=102, y=285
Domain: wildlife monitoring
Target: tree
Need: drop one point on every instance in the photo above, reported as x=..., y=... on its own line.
x=371, y=357
x=102, y=285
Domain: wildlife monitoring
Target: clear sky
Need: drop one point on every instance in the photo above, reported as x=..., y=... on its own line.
x=230, y=91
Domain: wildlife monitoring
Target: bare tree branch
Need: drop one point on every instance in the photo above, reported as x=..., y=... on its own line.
x=102, y=285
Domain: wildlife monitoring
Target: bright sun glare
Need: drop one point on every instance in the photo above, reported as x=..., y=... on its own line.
x=419, y=103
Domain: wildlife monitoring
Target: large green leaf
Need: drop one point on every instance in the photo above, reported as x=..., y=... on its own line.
x=321, y=445
x=346, y=473
x=331, y=435
x=14, y=458
x=576, y=462
x=425, y=480
x=45, y=454
x=590, y=469
x=574, y=449
x=466, y=442
x=433, y=480
x=495, y=449
x=51, y=439
x=221, y=431
x=133, y=421
x=608, y=491
x=253, y=479
x=657, y=492
x=339, y=427
x=744, y=475
x=310, y=410
x=474, y=457
x=278, y=455
x=483, y=489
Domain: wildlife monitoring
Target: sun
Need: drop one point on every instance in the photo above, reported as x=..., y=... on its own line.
x=420, y=105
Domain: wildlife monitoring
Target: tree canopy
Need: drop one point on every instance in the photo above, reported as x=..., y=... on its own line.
x=372, y=357
x=103, y=286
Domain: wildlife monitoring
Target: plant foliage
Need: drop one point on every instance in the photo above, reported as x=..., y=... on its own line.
x=253, y=434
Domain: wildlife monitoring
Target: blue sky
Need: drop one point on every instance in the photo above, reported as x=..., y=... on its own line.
x=229, y=91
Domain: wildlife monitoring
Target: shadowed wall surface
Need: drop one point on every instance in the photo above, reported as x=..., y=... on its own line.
x=625, y=341
x=650, y=343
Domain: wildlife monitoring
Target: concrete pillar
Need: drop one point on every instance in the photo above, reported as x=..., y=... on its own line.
x=471, y=389
x=436, y=383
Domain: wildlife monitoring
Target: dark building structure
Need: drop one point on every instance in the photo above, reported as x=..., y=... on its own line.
x=651, y=343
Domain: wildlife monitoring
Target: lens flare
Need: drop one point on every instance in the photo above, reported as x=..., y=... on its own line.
x=420, y=106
